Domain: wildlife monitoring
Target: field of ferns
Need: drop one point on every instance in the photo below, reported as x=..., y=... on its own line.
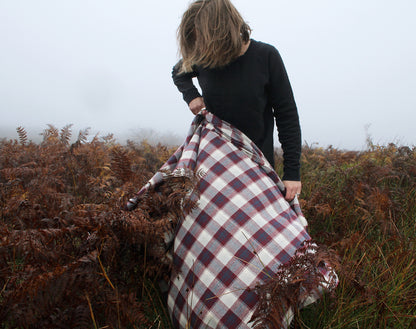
x=71, y=257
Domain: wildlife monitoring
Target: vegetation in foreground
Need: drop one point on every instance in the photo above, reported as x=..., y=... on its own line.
x=70, y=257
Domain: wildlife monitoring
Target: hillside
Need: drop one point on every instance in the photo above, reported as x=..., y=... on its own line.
x=71, y=257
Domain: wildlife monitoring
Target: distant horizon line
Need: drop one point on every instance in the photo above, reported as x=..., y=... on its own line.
x=168, y=138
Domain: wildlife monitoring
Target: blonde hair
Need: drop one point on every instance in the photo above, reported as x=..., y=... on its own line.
x=211, y=34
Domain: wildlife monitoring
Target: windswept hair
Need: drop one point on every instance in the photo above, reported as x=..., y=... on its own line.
x=211, y=34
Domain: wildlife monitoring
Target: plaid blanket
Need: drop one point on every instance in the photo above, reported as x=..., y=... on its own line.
x=238, y=236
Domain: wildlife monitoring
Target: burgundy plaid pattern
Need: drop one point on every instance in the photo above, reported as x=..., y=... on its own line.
x=239, y=234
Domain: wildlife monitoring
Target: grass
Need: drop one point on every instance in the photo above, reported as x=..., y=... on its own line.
x=363, y=205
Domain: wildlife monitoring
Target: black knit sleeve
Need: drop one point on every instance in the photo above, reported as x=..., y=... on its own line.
x=183, y=82
x=286, y=114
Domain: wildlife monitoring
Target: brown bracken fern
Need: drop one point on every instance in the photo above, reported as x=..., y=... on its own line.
x=293, y=283
x=70, y=257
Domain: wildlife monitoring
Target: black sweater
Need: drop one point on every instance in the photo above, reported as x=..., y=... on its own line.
x=248, y=93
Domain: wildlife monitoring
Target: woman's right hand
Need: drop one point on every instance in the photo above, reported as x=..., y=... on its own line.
x=196, y=105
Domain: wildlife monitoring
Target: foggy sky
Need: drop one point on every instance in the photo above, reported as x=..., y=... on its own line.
x=107, y=65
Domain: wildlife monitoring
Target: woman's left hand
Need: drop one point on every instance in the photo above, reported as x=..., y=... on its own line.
x=292, y=188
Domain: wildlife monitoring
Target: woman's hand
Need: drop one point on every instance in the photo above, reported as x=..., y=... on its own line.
x=196, y=105
x=292, y=188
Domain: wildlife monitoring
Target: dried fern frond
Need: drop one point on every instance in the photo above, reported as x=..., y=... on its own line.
x=51, y=133
x=121, y=164
x=22, y=135
x=174, y=197
x=109, y=139
x=66, y=134
x=83, y=135
x=295, y=284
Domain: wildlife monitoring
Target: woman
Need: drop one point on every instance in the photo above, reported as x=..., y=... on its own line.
x=243, y=81
x=240, y=234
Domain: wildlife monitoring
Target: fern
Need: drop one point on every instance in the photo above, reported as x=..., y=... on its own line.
x=66, y=134
x=83, y=135
x=50, y=134
x=64, y=237
x=121, y=164
x=22, y=135
x=292, y=284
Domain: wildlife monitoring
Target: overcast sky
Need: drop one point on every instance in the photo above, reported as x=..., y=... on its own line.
x=107, y=65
